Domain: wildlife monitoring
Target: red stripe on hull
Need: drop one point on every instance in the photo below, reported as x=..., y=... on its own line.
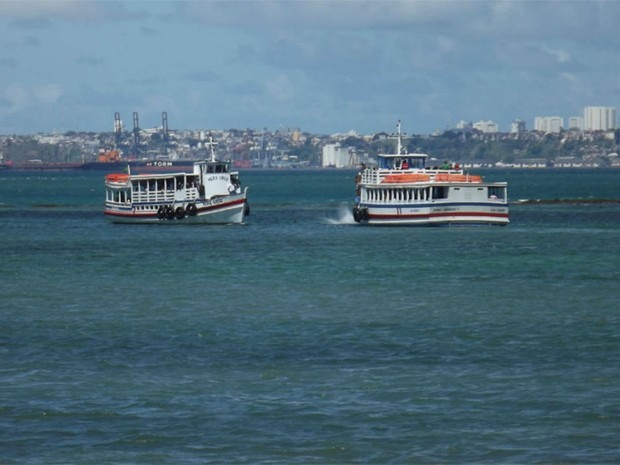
x=219, y=206
x=436, y=215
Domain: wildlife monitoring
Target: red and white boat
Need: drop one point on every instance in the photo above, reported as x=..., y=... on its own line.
x=401, y=190
x=211, y=194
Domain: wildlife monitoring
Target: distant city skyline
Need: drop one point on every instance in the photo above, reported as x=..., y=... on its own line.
x=321, y=66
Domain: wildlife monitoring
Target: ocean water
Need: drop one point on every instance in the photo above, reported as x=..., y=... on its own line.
x=301, y=337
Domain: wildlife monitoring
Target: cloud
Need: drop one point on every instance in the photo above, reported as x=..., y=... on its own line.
x=321, y=14
x=47, y=94
x=37, y=9
x=39, y=13
x=90, y=60
x=203, y=76
x=280, y=88
x=18, y=97
x=8, y=63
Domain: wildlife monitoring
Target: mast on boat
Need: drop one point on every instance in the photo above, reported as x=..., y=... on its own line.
x=211, y=145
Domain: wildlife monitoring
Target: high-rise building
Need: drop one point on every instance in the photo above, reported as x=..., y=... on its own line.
x=599, y=118
x=517, y=126
x=486, y=126
x=575, y=122
x=548, y=124
x=334, y=155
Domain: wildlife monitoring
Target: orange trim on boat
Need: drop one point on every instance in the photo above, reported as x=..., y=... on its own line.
x=443, y=177
x=412, y=177
x=116, y=177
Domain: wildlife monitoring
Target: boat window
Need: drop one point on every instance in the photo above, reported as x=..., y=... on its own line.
x=192, y=181
x=440, y=192
x=416, y=162
x=497, y=193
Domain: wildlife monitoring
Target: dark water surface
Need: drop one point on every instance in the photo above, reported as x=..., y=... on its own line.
x=301, y=337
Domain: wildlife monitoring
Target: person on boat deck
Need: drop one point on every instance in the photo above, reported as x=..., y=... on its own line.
x=234, y=186
x=404, y=165
x=445, y=166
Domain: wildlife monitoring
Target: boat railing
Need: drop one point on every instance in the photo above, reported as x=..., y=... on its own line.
x=162, y=196
x=377, y=176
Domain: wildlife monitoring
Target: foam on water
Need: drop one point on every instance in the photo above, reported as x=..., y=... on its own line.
x=344, y=215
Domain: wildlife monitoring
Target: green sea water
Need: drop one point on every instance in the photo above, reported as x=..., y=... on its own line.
x=301, y=337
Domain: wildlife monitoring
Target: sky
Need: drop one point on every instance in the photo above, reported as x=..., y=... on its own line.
x=321, y=66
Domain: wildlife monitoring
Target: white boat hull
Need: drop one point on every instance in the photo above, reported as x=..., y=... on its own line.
x=221, y=210
x=434, y=215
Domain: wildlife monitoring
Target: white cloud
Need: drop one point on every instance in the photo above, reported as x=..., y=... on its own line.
x=28, y=9
x=16, y=98
x=333, y=64
x=32, y=12
x=357, y=14
x=20, y=98
x=47, y=93
x=560, y=56
x=280, y=88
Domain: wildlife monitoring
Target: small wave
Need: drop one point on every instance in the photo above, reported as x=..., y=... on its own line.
x=343, y=216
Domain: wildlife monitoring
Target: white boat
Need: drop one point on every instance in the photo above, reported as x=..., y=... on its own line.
x=210, y=194
x=401, y=190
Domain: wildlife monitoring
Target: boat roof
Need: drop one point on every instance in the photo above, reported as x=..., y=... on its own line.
x=403, y=155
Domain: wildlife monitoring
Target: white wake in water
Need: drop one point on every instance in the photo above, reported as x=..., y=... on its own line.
x=343, y=216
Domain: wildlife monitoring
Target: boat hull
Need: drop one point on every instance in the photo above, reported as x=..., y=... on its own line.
x=221, y=210
x=436, y=215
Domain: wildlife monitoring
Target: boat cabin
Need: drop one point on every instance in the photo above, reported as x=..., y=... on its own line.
x=401, y=162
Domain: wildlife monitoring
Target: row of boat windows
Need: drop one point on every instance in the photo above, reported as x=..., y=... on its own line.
x=217, y=168
x=169, y=184
x=425, y=193
x=118, y=195
x=401, y=163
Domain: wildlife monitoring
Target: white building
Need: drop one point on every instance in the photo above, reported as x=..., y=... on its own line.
x=336, y=156
x=575, y=122
x=464, y=125
x=548, y=124
x=599, y=118
x=517, y=126
x=486, y=126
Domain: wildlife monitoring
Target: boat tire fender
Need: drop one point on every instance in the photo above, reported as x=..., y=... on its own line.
x=191, y=209
x=161, y=212
x=357, y=215
x=179, y=213
x=169, y=212
x=246, y=209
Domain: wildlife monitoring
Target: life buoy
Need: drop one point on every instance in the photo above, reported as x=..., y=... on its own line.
x=180, y=213
x=191, y=209
x=161, y=212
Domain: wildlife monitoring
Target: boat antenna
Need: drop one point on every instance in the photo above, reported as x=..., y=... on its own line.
x=211, y=145
x=398, y=146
